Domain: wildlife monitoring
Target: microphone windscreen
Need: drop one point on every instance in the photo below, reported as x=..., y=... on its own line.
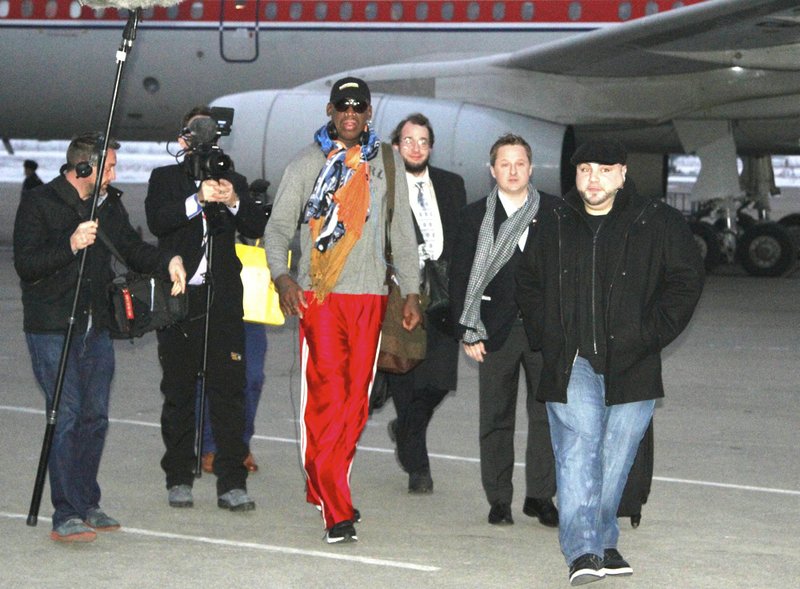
x=129, y=4
x=204, y=130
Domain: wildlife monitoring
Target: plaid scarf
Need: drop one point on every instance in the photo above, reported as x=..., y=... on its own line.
x=338, y=207
x=490, y=256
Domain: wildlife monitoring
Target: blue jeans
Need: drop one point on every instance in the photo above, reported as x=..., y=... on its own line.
x=255, y=351
x=82, y=417
x=594, y=447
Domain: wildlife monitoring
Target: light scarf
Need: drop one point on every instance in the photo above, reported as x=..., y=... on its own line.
x=491, y=255
x=338, y=207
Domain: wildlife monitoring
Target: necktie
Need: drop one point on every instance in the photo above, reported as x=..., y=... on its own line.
x=425, y=222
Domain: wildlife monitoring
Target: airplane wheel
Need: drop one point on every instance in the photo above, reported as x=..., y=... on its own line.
x=766, y=249
x=708, y=242
x=792, y=224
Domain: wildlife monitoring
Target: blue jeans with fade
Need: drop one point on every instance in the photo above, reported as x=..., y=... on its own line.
x=594, y=446
x=82, y=417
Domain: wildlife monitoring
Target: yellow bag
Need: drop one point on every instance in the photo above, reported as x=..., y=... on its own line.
x=261, y=302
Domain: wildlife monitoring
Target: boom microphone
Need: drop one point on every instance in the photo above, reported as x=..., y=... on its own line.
x=129, y=4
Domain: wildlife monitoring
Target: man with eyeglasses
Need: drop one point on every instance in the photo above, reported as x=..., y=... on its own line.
x=435, y=196
x=338, y=187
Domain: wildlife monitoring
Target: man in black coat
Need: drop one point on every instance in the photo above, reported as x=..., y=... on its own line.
x=434, y=195
x=51, y=230
x=187, y=212
x=492, y=233
x=609, y=280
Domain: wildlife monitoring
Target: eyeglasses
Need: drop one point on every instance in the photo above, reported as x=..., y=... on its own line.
x=357, y=106
x=410, y=142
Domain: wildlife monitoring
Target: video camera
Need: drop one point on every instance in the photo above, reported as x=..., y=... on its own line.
x=206, y=159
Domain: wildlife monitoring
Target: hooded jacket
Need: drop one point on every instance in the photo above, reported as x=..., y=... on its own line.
x=648, y=275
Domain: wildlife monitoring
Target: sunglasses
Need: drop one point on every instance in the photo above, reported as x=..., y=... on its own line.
x=357, y=106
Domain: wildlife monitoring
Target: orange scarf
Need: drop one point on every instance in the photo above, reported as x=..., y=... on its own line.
x=353, y=203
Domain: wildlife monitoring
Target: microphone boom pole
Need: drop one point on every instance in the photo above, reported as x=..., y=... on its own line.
x=128, y=37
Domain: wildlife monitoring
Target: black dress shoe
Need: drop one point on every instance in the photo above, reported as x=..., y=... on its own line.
x=420, y=482
x=500, y=514
x=543, y=510
x=636, y=519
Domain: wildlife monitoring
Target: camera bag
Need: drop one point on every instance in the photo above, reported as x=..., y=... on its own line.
x=141, y=302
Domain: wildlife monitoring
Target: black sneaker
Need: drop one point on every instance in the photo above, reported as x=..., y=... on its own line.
x=342, y=532
x=587, y=568
x=615, y=564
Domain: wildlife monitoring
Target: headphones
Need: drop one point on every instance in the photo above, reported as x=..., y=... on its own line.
x=83, y=169
x=334, y=134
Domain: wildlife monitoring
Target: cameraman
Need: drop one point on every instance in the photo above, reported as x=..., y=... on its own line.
x=51, y=229
x=184, y=211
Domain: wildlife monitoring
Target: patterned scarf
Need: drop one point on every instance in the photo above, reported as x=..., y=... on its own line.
x=338, y=207
x=490, y=256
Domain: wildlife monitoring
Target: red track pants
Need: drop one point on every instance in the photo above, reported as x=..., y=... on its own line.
x=339, y=342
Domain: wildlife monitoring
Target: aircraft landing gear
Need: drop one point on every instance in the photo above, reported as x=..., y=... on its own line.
x=763, y=248
x=792, y=225
x=766, y=249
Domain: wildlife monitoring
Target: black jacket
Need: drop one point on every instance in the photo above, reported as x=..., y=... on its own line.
x=165, y=208
x=43, y=258
x=499, y=308
x=649, y=274
x=440, y=369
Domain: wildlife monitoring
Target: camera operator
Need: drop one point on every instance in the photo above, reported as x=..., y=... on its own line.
x=184, y=211
x=51, y=230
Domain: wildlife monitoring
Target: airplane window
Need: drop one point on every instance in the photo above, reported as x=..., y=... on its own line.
x=346, y=11
x=371, y=11
x=527, y=11
x=295, y=10
x=624, y=11
x=447, y=11
x=677, y=4
x=51, y=9
x=499, y=10
x=271, y=10
x=422, y=11
x=172, y=13
x=397, y=10
x=321, y=11
x=26, y=8
x=4, y=8
x=99, y=12
x=148, y=13
x=196, y=11
x=473, y=11
x=574, y=11
x=651, y=8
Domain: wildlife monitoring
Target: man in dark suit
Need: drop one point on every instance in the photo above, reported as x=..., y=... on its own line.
x=435, y=195
x=187, y=212
x=492, y=235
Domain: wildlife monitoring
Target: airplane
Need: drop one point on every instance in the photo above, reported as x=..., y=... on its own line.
x=717, y=78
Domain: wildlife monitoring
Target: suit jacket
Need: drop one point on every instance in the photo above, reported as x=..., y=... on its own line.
x=166, y=218
x=499, y=308
x=439, y=370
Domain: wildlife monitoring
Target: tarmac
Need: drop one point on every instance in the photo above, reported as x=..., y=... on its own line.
x=723, y=511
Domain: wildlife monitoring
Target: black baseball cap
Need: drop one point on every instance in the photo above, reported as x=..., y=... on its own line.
x=350, y=87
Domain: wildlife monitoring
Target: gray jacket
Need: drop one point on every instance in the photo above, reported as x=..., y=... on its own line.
x=365, y=269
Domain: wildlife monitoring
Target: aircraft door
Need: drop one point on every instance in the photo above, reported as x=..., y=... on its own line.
x=238, y=30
